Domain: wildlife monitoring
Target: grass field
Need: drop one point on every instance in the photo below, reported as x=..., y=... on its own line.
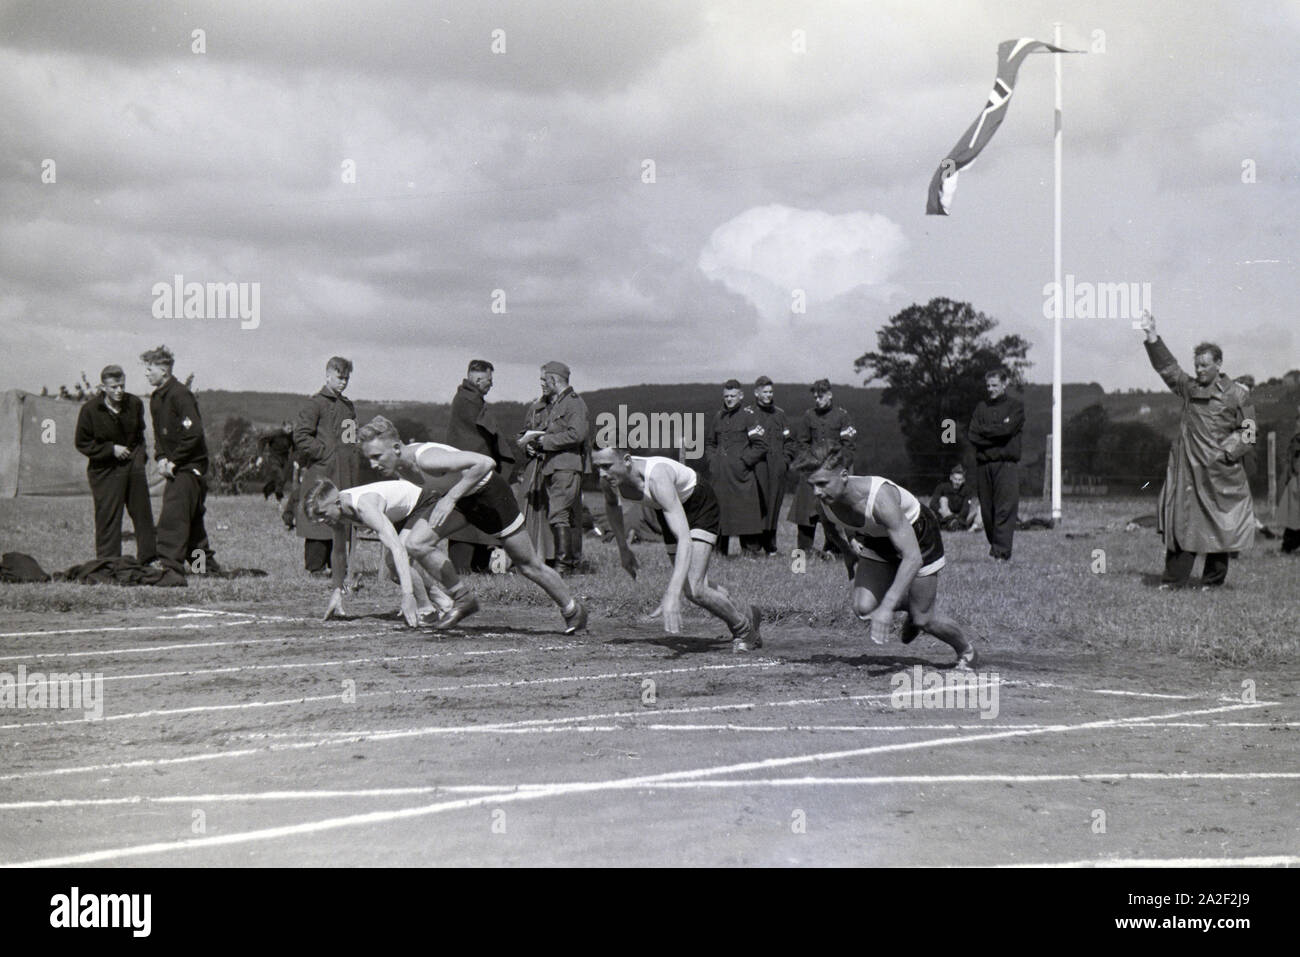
x=1050, y=596
x=1126, y=725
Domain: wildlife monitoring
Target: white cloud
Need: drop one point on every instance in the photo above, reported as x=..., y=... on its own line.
x=772, y=254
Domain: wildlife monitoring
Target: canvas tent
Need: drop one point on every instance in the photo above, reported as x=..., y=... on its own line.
x=38, y=452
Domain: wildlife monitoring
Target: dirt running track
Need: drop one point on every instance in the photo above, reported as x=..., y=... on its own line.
x=239, y=738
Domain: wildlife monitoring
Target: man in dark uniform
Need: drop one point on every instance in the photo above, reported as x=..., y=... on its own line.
x=473, y=429
x=734, y=446
x=275, y=449
x=825, y=425
x=110, y=434
x=995, y=428
x=557, y=441
x=324, y=436
x=772, y=470
x=182, y=455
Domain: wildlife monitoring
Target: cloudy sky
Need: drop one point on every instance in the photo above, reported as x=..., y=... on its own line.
x=788, y=147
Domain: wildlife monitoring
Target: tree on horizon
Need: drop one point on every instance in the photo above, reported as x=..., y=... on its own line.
x=933, y=359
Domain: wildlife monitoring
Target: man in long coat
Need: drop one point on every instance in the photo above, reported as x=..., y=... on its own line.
x=772, y=470
x=473, y=429
x=1205, y=503
x=828, y=426
x=324, y=436
x=734, y=445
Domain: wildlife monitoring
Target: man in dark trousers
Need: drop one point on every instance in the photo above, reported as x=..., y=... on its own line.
x=182, y=455
x=473, y=429
x=110, y=434
x=824, y=425
x=556, y=439
x=772, y=470
x=995, y=428
x=734, y=445
x=325, y=436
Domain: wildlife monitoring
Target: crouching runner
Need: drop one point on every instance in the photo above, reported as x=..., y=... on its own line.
x=690, y=519
x=894, y=542
x=469, y=492
x=392, y=510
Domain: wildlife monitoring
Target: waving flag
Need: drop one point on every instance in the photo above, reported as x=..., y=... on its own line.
x=1011, y=53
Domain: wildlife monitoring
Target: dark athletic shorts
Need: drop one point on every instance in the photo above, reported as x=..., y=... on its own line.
x=423, y=506
x=492, y=509
x=702, y=515
x=926, y=527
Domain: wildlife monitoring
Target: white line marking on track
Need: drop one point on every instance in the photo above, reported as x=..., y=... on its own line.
x=879, y=780
x=1109, y=691
x=336, y=696
x=1276, y=860
x=384, y=817
x=766, y=728
x=122, y=628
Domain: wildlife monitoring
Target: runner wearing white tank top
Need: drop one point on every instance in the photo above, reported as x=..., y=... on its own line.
x=470, y=492
x=690, y=514
x=893, y=551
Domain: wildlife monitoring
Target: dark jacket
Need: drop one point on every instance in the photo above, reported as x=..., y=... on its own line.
x=99, y=429
x=473, y=428
x=995, y=428
x=734, y=446
x=566, y=423
x=772, y=470
x=957, y=497
x=318, y=440
x=178, y=427
x=833, y=429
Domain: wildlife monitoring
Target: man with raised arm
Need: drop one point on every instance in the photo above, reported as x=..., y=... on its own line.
x=690, y=524
x=891, y=547
x=1205, y=503
x=470, y=492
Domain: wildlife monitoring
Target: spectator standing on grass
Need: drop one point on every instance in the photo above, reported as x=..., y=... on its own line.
x=182, y=454
x=824, y=424
x=110, y=434
x=1288, y=509
x=995, y=428
x=324, y=437
x=772, y=470
x=1205, y=503
x=555, y=438
x=473, y=428
x=734, y=445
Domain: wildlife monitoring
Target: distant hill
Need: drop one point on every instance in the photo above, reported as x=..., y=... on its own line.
x=880, y=447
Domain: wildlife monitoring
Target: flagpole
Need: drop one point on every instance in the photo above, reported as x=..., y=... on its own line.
x=1056, y=323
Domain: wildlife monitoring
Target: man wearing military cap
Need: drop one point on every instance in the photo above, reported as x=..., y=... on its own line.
x=182, y=454
x=829, y=425
x=771, y=472
x=110, y=434
x=734, y=445
x=555, y=439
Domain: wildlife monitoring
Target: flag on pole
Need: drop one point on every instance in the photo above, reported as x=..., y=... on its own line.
x=1011, y=53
